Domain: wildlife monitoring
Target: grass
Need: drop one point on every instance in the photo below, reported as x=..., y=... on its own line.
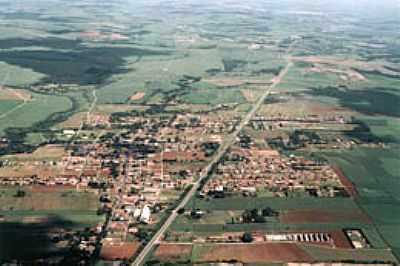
x=72, y=62
x=50, y=201
x=213, y=96
x=297, y=80
x=240, y=203
x=12, y=75
x=378, y=101
x=214, y=217
x=8, y=105
x=199, y=250
x=386, y=128
x=35, y=110
x=28, y=220
x=364, y=255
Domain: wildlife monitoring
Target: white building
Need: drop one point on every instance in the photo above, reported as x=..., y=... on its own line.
x=145, y=216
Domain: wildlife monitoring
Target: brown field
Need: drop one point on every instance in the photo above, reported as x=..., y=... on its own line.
x=345, y=75
x=173, y=250
x=253, y=253
x=77, y=119
x=46, y=152
x=340, y=240
x=29, y=170
x=114, y=251
x=137, y=96
x=74, y=121
x=13, y=94
x=304, y=107
x=322, y=216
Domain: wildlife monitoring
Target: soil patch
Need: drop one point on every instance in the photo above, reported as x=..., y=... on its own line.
x=322, y=216
x=137, y=96
x=253, y=253
x=114, y=251
x=173, y=250
x=14, y=94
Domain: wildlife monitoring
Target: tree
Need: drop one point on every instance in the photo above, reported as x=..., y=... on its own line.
x=247, y=237
x=20, y=194
x=142, y=234
x=267, y=211
x=259, y=219
x=246, y=216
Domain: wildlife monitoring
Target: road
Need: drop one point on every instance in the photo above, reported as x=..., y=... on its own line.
x=91, y=108
x=220, y=153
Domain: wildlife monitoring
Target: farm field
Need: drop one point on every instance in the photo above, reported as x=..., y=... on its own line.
x=250, y=253
x=47, y=200
x=376, y=177
x=8, y=105
x=37, y=109
x=27, y=221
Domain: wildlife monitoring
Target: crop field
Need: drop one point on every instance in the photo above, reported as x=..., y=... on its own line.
x=386, y=128
x=375, y=173
x=27, y=220
x=7, y=105
x=250, y=253
x=38, y=109
x=312, y=216
x=366, y=255
x=118, y=250
x=13, y=75
x=52, y=200
x=304, y=107
x=172, y=252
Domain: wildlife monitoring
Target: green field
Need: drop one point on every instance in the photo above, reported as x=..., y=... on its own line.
x=364, y=255
x=8, y=105
x=376, y=175
x=13, y=75
x=240, y=203
x=38, y=109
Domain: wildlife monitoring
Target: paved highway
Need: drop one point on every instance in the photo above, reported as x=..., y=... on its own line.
x=220, y=153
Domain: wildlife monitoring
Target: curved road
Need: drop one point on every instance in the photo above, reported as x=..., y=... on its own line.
x=222, y=150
